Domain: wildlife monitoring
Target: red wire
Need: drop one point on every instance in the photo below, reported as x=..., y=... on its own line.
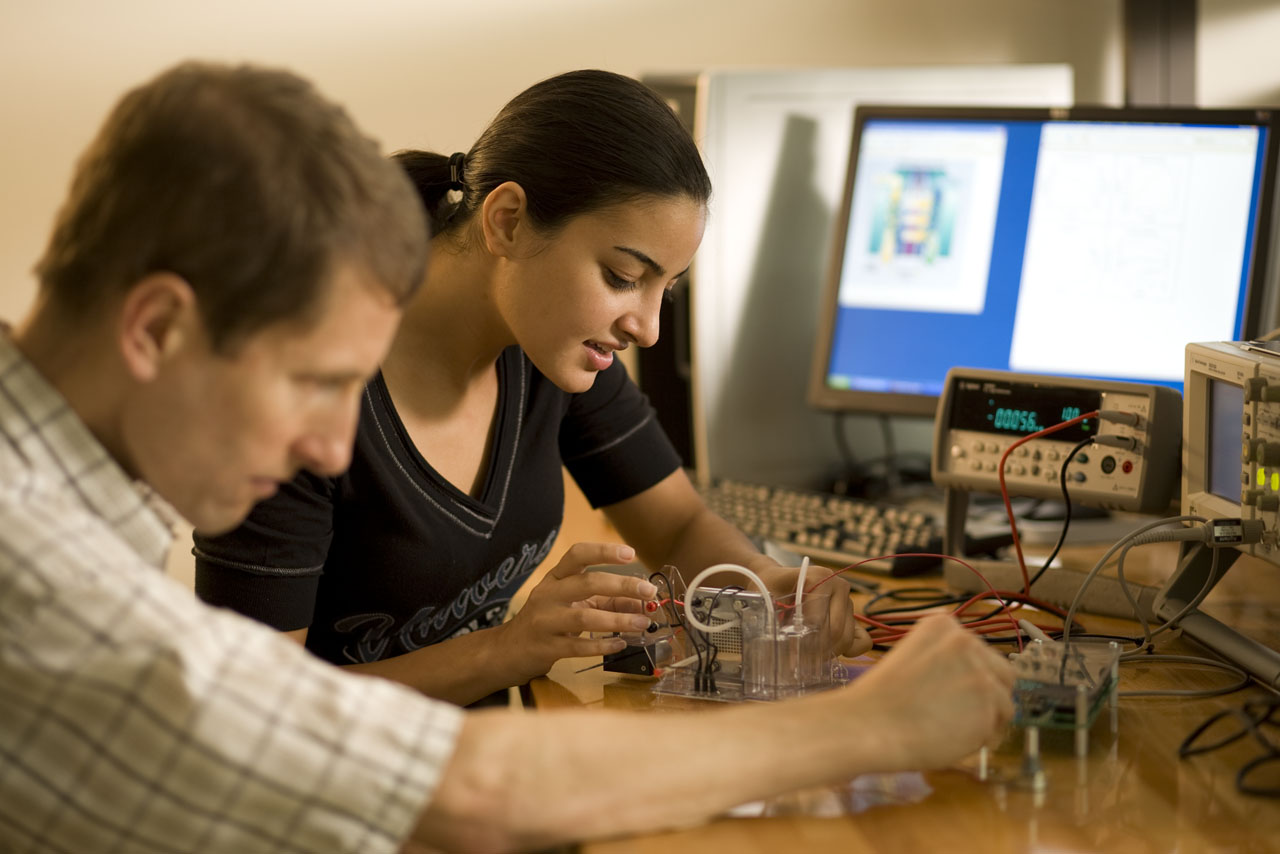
x=1005, y=608
x=1004, y=490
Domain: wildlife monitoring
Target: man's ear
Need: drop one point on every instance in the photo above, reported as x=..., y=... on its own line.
x=502, y=215
x=156, y=321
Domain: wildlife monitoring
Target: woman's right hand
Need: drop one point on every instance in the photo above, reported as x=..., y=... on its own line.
x=568, y=602
x=938, y=696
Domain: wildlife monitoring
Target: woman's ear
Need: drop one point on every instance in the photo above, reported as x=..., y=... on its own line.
x=156, y=321
x=503, y=219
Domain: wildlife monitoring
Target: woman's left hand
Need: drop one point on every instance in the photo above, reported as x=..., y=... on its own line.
x=848, y=635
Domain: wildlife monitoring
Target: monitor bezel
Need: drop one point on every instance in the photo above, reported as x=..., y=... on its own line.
x=822, y=396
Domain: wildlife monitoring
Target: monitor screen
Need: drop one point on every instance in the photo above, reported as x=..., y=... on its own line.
x=1080, y=242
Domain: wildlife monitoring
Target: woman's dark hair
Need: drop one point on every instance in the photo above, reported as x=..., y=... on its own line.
x=576, y=142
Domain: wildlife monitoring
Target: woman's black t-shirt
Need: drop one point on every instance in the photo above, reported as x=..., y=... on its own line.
x=390, y=557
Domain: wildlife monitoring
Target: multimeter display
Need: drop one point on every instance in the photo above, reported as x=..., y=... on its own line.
x=1018, y=409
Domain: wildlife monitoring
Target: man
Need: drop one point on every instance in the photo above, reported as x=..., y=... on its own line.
x=224, y=278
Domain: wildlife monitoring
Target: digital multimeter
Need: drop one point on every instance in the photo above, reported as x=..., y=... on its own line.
x=982, y=412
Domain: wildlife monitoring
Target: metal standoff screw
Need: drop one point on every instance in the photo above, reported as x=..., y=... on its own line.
x=1032, y=771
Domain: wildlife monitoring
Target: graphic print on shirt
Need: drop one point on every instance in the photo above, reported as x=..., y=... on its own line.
x=481, y=605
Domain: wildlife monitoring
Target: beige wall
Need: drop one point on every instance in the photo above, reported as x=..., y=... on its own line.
x=427, y=73
x=1238, y=53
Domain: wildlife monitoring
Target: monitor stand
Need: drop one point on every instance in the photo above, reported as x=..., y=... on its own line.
x=1194, y=577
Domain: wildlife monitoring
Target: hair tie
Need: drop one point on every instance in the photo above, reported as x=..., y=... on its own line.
x=456, y=162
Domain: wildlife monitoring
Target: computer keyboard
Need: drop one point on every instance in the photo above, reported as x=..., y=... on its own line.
x=837, y=529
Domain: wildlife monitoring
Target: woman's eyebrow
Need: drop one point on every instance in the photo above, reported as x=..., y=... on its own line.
x=658, y=269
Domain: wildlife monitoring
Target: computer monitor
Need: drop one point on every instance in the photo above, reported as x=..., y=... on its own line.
x=1087, y=242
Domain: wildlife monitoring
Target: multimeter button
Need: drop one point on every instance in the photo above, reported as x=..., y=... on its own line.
x=1082, y=457
x=1078, y=477
x=1108, y=464
x=957, y=451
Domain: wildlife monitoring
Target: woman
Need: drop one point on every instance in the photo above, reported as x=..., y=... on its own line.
x=555, y=240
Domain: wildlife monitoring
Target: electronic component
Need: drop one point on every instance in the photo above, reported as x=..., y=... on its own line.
x=1064, y=686
x=730, y=643
x=1132, y=464
x=1230, y=470
x=755, y=648
x=1231, y=466
x=983, y=412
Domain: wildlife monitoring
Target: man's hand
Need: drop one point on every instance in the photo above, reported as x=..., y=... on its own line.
x=937, y=696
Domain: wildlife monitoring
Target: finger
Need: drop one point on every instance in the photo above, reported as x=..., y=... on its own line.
x=848, y=638
x=583, y=647
x=586, y=586
x=572, y=621
x=582, y=555
x=861, y=640
x=621, y=604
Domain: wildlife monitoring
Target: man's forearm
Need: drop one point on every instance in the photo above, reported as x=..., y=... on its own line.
x=531, y=781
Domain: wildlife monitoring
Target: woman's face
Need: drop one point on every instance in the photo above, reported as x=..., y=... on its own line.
x=596, y=286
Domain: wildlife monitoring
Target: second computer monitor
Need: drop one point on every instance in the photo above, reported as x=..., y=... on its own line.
x=1080, y=242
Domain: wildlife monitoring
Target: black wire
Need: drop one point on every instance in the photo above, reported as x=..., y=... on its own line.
x=1066, y=513
x=939, y=599
x=1252, y=716
x=689, y=631
x=713, y=650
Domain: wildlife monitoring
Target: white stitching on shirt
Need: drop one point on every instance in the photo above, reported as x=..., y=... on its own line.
x=511, y=462
x=617, y=440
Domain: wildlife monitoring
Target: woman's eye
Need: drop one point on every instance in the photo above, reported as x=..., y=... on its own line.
x=618, y=282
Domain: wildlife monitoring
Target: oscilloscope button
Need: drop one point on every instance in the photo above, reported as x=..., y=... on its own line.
x=1269, y=502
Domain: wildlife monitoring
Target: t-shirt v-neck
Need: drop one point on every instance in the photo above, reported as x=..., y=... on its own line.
x=506, y=425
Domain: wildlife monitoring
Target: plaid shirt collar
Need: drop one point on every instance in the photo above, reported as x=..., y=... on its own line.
x=57, y=451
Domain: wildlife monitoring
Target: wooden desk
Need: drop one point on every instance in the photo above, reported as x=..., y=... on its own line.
x=1131, y=794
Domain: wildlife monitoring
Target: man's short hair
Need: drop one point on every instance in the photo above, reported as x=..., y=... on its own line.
x=245, y=182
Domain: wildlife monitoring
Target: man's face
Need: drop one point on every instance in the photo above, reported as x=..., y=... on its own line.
x=216, y=433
